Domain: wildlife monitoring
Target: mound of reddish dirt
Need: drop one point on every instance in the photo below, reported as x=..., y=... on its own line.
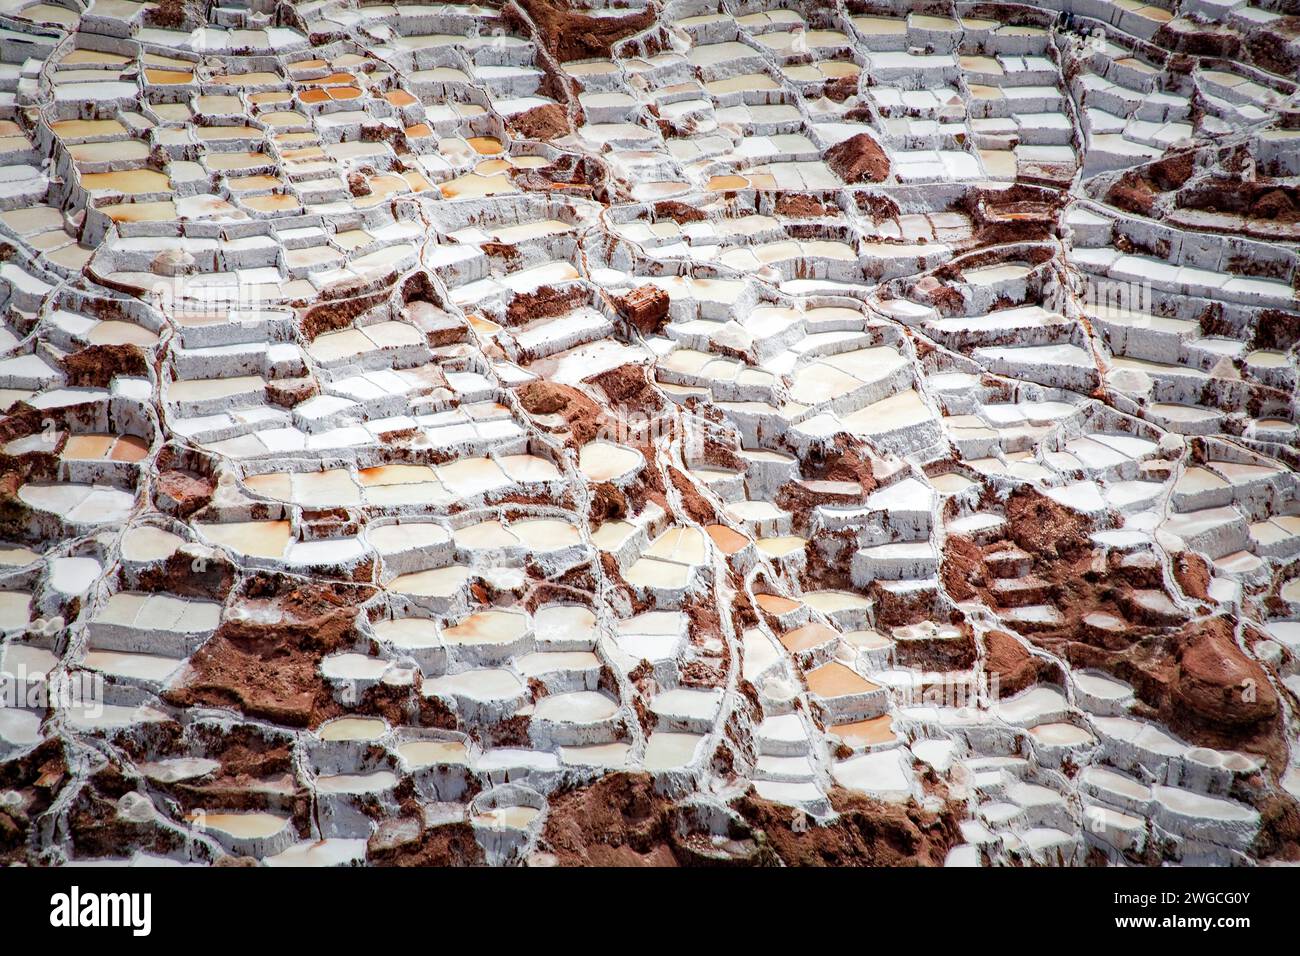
x=1015, y=667
x=36, y=777
x=693, y=503
x=963, y=568
x=607, y=503
x=1132, y=193
x=545, y=303
x=847, y=460
x=1279, y=827
x=1216, y=684
x=678, y=212
x=841, y=88
x=858, y=159
x=628, y=385
x=266, y=661
x=617, y=821
x=541, y=122
x=406, y=841
x=1275, y=205
x=646, y=307
x=182, y=493
x=867, y=832
x=1277, y=330
x=1193, y=575
x=97, y=365
x=173, y=14
x=567, y=176
x=1041, y=526
x=580, y=413
x=572, y=35
x=800, y=206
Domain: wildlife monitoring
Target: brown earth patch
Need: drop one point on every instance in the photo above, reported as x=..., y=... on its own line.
x=1041, y=526
x=645, y=308
x=98, y=830
x=546, y=303
x=339, y=307
x=1276, y=330
x=571, y=35
x=867, y=832
x=840, y=88
x=37, y=777
x=1216, y=684
x=695, y=505
x=1016, y=669
x=541, y=123
x=267, y=663
x=800, y=206
x=1132, y=193
x=97, y=365
x=181, y=492
x=406, y=841
x=1192, y=573
x=580, y=413
x=858, y=159
x=629, y=386
x=617, y=821
x=962, y=570
x=678, y=212
x=607, y=504
x=1279, y=828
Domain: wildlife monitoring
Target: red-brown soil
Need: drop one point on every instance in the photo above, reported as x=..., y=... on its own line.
x=1016, y=669
x=645, y=307
x=37, y=777
x=628, y=386
x=1192, y=572
x=621, y=821
x=799, y=206
x=97, y=365
x=406, y=841
x=1216, y=684
x=571, y=35
x=859, y=159
x=1041, y=526
x=617, y=821
x=679, y=212
x=268, y=665
x=545, y=303
x=867, y=833
x=541, y=122
x=181, y=493
x=540, y=397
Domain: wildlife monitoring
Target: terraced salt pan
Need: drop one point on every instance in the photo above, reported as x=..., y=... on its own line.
x=79, y=504
x=881, y=775
x=15, y=609
x=483, y=684
x=652, y=635
x=430, y=753
x=607, y=462
x=353, y=729
x=321, y=853
x=671, y=751
x=389, y=427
